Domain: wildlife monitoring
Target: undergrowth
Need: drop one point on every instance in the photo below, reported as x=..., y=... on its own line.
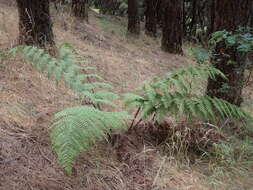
x=201, y=121
x=75, y=129
x=174, y=95
x=177, y=94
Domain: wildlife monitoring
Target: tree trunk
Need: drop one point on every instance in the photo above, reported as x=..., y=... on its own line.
x=228, y=15
x=151, y=17
x=133, y=17
x=80, y=9
x=35, y=26
x=172, y=26
x=159, y=12
x=193, y=25
x=251, y=17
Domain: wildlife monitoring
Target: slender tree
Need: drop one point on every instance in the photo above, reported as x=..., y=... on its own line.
x=133, y=17
x=35, y=26
x=80, y=9
x=172, y=26
x=228, y=15
x=159, y=12
x=251, y=17
x=150, y=17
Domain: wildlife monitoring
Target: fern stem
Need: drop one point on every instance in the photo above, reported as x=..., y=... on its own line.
x=135, y=116
x=140, y=120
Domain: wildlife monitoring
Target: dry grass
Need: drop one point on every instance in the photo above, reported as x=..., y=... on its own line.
x=28, y=100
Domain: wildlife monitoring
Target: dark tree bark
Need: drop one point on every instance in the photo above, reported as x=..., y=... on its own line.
x=80, y=9
x=35, y=26
x=172, y=26
x=151, y=17
x=228, y=15
x=251, y=17
x=211, y=14
x=159, y=12
x=133, y=17
x=193, y=25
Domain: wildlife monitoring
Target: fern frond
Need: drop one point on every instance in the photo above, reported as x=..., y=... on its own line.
x=100, y=97
x=77, y=128
x=64, y=67
x=131, y=99
x=182, y=78
x=158, y=98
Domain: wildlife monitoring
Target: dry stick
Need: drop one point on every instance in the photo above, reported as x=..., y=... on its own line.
x=44, y=156
x=159, y=171
x=135, y=116
x=7, y=161
x=137, y=123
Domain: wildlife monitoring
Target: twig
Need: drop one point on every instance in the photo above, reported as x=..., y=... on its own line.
x=135, y=116
x=44, y=156
x=137, y=123
x=159, y=170
x=7, y=161
x=211, y=125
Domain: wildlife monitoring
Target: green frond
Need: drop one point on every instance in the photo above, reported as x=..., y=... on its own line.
x=182, y=78
x=160, y=98
x=77, y=128
x=97, y=97
x=106, y=95
x=64, y=67
x=131, y=99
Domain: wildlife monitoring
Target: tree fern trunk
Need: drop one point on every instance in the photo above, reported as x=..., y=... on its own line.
x=172, y=26
x=35, y=26
x=228, y=15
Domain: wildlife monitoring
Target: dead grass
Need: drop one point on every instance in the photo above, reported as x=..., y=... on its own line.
x=28, y=100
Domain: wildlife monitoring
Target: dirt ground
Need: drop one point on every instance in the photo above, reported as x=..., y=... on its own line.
x=28, y=100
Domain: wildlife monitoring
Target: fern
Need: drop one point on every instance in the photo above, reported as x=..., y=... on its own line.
x=183, y=78
x=64, y=67
x=77, y=128
x=159, y=99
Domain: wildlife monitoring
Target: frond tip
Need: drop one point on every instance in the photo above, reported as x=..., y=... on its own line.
x=77, y=128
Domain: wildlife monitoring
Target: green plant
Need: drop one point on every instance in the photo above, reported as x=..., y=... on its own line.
x=75, y=76
x=77, y=128
x=234, y=151
x=237, y=46
x=241, y=40
x=173, y=95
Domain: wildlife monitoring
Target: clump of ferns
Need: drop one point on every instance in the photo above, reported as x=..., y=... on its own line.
x=75, y=129
x=178, y=94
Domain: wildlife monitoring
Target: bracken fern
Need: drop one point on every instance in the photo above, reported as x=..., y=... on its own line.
x=172, y=95
x=77, y=128
x=65, y=67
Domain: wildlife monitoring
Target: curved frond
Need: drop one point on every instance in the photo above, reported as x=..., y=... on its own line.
x=159, y=97
x=64, y=67
x=77, y=128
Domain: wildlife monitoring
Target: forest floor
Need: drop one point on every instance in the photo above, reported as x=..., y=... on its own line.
x=28, y=100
